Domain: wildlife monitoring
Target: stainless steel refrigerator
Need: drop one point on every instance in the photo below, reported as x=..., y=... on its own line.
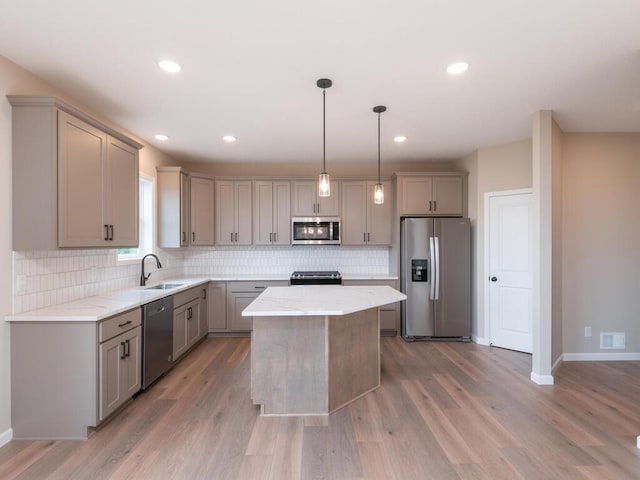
x=435, y=274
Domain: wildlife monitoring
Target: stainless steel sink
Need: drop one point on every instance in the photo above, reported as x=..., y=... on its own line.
x=165, y=286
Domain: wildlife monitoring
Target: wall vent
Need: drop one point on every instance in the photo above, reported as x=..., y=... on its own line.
x=612, y=340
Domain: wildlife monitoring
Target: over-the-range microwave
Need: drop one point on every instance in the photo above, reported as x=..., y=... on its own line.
x=315, y=230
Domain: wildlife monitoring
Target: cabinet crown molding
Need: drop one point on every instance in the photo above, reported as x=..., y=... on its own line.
x=54, y=102
x=430, y=174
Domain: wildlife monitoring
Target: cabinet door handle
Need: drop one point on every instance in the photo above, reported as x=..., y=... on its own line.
x=193, y=236
x=364, y=237
x=128, y=322
x=435, y=207
x=236, y=237
x=204, y=293
x=429, y=205
x=122, y=354
x=111, y=230
x=184, y=237
x=106, y=232
x=368, y=237
x=128, y=345
x=275, y=237
x=189, y=313
x=231, y=237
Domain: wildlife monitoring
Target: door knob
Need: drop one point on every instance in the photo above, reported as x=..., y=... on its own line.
x=494, y=279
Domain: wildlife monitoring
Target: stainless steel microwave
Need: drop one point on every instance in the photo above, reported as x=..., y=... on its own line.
x=315, y=230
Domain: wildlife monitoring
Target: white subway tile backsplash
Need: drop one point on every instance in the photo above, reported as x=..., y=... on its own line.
x=45, y=278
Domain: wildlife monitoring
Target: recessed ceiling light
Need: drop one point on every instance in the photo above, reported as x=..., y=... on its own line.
x=457, y=68
x=169, y=66
x=161, y=137
x=229, y=138
x=400, y=138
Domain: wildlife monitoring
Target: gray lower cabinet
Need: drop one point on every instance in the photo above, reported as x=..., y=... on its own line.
x=239, y=296
x=120, y=370
x=68, y=376
x=217, y=297
x=189, y=319
x=389, y=314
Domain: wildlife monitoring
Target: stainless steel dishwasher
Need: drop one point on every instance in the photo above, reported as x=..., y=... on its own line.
x=157, y=339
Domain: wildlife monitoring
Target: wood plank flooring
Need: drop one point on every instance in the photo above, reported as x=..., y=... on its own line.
x=444, y=411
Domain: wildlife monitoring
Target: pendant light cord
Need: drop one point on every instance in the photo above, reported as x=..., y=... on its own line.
x=378, y=147
x=324, y=94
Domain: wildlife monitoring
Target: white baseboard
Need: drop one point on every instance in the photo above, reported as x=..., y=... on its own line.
x=557, y=363
x=479, y=340
x=600, y=357
x=541, y=379
x=6, y=437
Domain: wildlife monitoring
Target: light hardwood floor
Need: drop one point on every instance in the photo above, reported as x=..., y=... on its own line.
x=444, y=411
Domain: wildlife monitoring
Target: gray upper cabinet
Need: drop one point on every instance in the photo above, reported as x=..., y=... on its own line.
x=364, y=222
x=271, y=212
x=431, y=195
x=233, y=212
x=305, y=201
x=173, y=198
x=75, y=180
x=201, y=207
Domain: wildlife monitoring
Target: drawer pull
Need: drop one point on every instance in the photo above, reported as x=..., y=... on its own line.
x=260, y=288
x=128, y=322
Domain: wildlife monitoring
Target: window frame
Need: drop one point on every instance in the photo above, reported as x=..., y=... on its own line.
x=150, y=244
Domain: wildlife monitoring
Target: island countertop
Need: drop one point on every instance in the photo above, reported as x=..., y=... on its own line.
x=310, y=300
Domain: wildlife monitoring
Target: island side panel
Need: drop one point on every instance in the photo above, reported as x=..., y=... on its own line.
x=354, y=356
x=289, y=372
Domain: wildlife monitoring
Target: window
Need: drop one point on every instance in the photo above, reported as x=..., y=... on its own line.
x=146, y=223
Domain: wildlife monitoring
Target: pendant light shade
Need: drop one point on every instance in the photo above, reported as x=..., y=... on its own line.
x=378, y=193
x=324, y=185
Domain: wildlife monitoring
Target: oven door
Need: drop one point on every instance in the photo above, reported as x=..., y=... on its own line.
x=315, y=231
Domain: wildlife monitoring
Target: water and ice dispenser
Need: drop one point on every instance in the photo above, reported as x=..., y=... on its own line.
x=419, y=270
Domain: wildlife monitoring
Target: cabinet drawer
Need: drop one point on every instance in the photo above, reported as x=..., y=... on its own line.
x=248, y=287
x=188, y=296
x=124, y=322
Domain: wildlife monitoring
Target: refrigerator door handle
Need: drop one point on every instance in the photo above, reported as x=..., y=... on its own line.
x=432, y=273
x=437, y=262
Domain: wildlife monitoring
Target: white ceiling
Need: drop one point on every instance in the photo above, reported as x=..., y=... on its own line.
x=250, y=68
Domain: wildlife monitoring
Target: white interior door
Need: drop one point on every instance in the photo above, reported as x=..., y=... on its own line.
x=510, y=275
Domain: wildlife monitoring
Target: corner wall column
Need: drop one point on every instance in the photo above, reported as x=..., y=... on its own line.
x=542, y=247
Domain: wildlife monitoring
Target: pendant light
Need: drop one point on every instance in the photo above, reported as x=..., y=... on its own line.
x=378, y=194
x=324, y=187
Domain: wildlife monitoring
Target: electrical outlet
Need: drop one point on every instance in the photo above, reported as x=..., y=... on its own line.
x=587, y=331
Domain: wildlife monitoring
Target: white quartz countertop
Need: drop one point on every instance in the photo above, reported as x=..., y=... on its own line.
x=99, y=307
x=307, y=300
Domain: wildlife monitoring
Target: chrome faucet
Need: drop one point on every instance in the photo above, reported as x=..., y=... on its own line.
x=143, y=278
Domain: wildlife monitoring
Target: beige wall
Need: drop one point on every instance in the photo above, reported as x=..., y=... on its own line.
x=556, y=249
x=491, y=169
x=601, y=239
x=15, y=80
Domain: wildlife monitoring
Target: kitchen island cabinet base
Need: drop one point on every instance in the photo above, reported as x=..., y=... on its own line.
x=314, y=365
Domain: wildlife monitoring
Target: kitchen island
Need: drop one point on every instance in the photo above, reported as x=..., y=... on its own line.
x=315, y=349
